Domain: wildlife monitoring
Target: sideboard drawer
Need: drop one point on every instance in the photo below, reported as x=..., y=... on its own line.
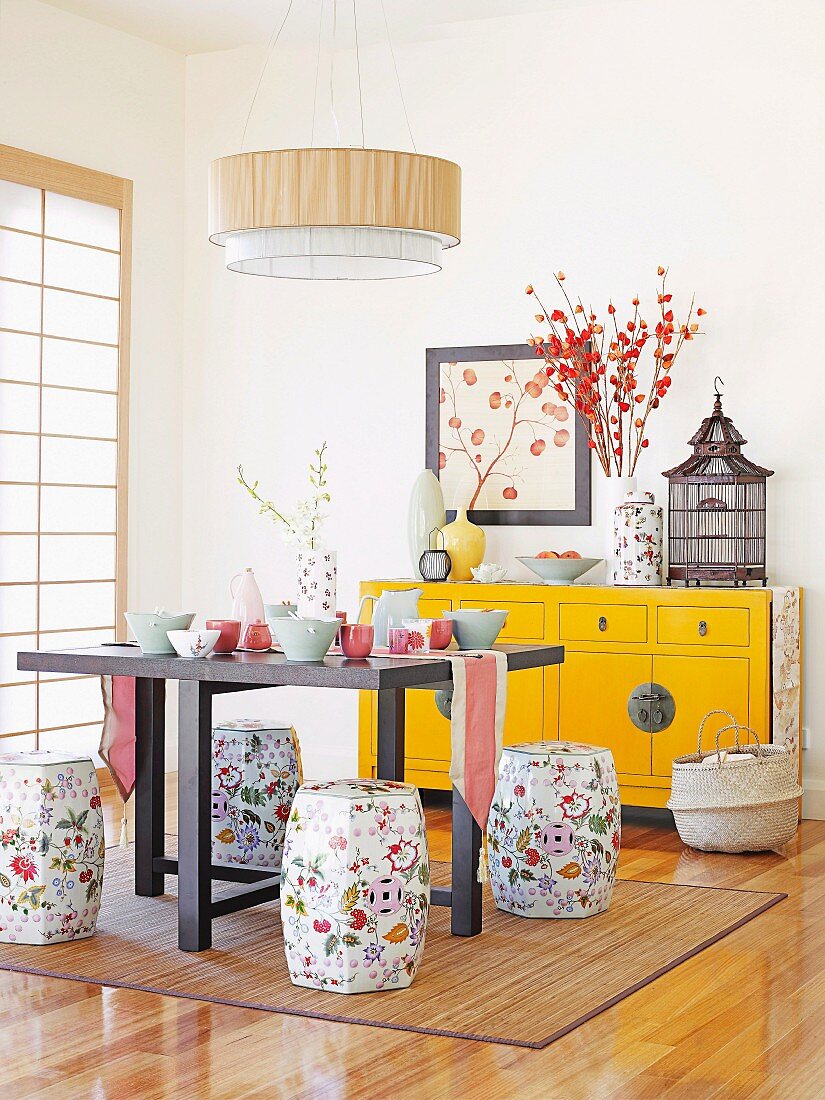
x=706, y=626
x=608, y=622
x=525, y=620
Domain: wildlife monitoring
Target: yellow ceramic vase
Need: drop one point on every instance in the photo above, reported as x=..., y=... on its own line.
x=465, y=543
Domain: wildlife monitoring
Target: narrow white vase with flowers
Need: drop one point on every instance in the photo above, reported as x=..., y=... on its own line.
x=316, y=565
x=594, y=368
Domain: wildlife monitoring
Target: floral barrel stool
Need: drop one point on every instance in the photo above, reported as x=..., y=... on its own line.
x=355, y=886
x=255, y=774
x=51, y=847
x=554, y=830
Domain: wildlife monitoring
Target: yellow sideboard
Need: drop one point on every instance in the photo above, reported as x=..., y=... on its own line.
x=709, y=648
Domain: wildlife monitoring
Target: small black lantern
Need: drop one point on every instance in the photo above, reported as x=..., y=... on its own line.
x=716, y=508
x=435, y=565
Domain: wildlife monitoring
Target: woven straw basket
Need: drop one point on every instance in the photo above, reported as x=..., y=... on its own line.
x=749, y=806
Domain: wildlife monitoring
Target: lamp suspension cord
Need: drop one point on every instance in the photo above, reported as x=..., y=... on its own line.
x=358, y=67
x=273, y=42
x=332, y=72
x=317, y=70
x=397, y=77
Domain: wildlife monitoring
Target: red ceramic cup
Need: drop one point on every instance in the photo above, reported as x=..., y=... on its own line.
x=230, y=634
x=357, y=639
x=441, y=633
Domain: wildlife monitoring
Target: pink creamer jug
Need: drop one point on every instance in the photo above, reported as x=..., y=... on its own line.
x=247, y=603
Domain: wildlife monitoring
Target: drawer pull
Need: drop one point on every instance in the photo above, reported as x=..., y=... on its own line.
x=703, y=628
x=602, y=623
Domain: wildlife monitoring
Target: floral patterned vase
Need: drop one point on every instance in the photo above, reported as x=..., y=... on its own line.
x=254, y=780
x=317, y=583
x=637, y=541
x=554, y=830
x=355, y=886
x=51, y=847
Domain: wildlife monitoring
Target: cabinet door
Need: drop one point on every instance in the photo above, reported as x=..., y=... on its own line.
x=593, y=693
x=698, y=684
x=428, y=731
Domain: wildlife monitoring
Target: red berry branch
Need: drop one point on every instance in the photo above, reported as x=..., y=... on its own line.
x=594, y=368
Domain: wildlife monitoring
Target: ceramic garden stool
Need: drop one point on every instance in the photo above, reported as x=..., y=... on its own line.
x=51, y=847
x=355, y=886
x=554, y=830
x=254, y=779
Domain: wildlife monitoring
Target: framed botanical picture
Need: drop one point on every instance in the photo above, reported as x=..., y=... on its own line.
x=501, y=442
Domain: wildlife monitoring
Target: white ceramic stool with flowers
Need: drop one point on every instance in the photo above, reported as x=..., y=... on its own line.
x=355, y=886
x=554, y=830
x=51, y=847
x=254, y=779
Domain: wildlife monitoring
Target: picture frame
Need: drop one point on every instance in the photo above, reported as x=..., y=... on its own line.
x=524, y=465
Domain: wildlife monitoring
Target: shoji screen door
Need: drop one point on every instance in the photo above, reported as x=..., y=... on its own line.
x=65, y=236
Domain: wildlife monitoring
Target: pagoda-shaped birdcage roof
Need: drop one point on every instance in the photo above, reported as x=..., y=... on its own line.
x=717, y=452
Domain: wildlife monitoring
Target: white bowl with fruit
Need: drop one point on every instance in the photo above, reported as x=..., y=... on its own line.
x=555, y=568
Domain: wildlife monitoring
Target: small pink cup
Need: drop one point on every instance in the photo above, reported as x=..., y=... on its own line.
x=441, y=633
x=356, y=639
x=398, y=638
x=230, y=634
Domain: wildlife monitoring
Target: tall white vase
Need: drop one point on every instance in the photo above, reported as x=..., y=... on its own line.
x=317, y=576
x=614, y=490
x=426, y=512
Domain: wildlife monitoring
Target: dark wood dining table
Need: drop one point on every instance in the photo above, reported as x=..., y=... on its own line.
x=198, y=682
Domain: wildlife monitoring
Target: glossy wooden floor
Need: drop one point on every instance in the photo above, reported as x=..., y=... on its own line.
x=746, y=1018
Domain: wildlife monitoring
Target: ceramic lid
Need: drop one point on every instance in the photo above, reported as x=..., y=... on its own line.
x=636, y=496
x=555, y=748
x=42, y=758
x=356, y=789
x=254, y=724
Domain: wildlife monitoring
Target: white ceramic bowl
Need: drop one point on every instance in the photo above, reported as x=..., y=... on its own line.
x=559, y=570
x=193, y=643
x=488, y=572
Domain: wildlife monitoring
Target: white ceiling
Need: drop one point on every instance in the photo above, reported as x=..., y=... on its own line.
x=196, y=26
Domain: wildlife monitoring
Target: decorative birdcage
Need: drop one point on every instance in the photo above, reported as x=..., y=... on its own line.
x=716, y=508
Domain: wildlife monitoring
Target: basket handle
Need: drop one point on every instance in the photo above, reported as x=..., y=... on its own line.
x=710, y=714
x=437, y=532
x=737, y=728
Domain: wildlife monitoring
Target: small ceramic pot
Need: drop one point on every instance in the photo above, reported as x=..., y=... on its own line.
x=258, y=637
x=399, y=639
x=441, y=633
x=357, y=639
x=230, y=634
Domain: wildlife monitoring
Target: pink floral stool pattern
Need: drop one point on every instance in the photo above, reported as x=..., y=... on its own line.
x=254, y=779
x=355, y=886
x=51, y=847
x=554, y=830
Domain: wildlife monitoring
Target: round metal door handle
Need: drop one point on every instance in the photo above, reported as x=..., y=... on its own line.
x=703, y=628
x=602, y=623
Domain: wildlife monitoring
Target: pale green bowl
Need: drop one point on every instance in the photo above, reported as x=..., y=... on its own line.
x=559, y=570
x=304, y=639
x=476, y=629
x=149, y=628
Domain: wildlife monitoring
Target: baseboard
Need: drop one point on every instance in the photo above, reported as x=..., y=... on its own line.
x=813, y=801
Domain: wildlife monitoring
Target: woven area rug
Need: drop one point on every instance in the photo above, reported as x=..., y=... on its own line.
x=567, y=971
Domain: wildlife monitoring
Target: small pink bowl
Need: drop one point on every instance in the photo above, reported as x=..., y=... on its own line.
x=230, y=634
x=357, y=639
x=442, y=633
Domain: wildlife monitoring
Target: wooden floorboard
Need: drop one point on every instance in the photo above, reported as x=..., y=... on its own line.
x=746, y=1018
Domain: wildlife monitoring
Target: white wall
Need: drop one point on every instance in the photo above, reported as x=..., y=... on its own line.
x=603, y=139
x=84, y=93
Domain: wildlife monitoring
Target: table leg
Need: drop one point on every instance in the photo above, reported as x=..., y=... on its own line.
x=391, y=721
x=150, y=737
x=466, y=899
x=194, y=816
